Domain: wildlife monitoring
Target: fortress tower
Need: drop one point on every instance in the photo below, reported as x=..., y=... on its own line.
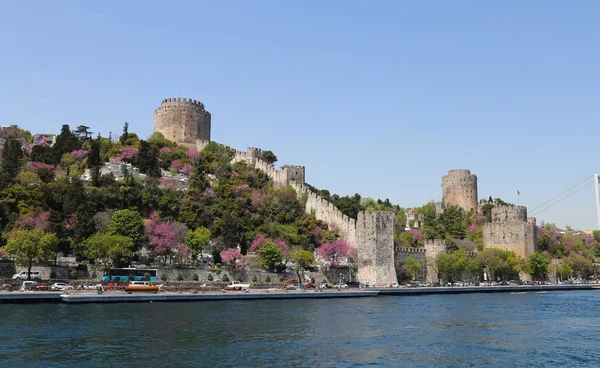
x=510, y=229
x=184, y=121
x=459, y=188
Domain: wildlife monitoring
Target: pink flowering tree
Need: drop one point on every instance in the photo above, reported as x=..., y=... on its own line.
x=182, y=252
x=193, y=154
x=40, y=221
x=128, y=153
x=472, y=229
x=79, y=154
x=176, y=165
x=35, y=166
x=334, y=251
x=187, y=169
x=162, y=238
x=255, y=198
x=165, y=150
x=259, y=241
x=241, y=188
x=233, y=258
x=416, y=234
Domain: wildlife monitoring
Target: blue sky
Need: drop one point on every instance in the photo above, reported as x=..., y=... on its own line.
x=380, y=98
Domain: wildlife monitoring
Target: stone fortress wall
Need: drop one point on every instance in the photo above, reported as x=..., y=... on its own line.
x=459, y=188
x=372, y=233
x=401, y=255
x=510, y=229
x=184, y=121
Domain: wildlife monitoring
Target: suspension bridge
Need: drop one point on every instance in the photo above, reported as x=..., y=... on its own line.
x=585, y=183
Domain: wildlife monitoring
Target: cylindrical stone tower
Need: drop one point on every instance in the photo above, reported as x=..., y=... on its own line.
x=182, y=120
x=459, y=188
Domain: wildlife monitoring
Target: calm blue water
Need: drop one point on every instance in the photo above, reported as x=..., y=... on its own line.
x=479, y=330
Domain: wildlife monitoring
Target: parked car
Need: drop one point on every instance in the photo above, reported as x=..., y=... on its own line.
x=35, y=275
x=91, y=287
x=340, y=286
x=29, y=285
x=115, y=286
x=61, y=286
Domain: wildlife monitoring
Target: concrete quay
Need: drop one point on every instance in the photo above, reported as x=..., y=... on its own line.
x=480, y=289
x=142, y=297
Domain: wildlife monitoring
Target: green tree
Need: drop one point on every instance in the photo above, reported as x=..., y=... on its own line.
x=108, y=249
x=94, y=161
x=500, y=264
x=302, y=259
x=125, y=135
x=370, y=205
x=270, y=255
x=27, y=245
x=269, y=157
x=453, y=223
x=596, y=235
x=413, y=266
x=12, y=153
x=538, y=265
x=66, y=142
x=146, y=160
x=563, y=271
x=83, y=132
x=452, y=266
x=198, y=178
x=580, y=265
x=130, y=224
x=197, y=240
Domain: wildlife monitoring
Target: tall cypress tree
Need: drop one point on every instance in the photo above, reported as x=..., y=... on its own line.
x=66, y=142
x=12, y=154
x=94, y=161
x=147, y=161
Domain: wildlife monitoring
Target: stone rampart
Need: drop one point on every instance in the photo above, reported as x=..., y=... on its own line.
x=511, y=230
x=283, y=177
x=7, y=269
x=459, y=188
x=432, y=249
x=373, y=237
x=418, y=254
x=327, y=212
x=375, y=247
x=183, y=120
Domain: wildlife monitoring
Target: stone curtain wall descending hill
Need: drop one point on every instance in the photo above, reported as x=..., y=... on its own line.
x=372, y=234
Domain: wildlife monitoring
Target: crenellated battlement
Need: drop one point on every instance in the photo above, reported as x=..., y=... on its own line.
x=509, y=213
x=412, y=250
x=180, y=101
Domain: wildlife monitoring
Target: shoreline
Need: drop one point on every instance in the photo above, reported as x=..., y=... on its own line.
x=263, y=294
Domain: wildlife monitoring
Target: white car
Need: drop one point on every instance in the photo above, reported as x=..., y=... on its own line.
x=340, y=286
x=61, y=286
x=34, y=275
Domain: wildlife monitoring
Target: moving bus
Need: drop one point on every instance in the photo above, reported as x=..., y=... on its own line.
x=129, y=274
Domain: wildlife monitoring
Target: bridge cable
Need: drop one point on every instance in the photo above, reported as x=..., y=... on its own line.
x=553, y=198
x=560, y=200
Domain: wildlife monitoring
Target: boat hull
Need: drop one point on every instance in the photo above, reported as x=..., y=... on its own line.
x=150, y=289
